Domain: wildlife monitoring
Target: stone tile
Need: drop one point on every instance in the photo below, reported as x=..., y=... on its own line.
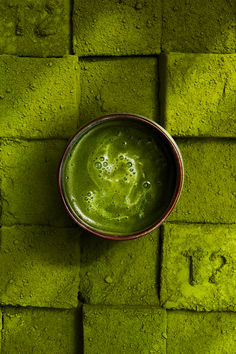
x=40, y=266
x=119, y=85
x=40, y=331
x=192, y=332
x=198, y=269
x=200, y=94
x=111, y=27
x=199, y=26
x=35, y=27
x=28, y=171
x=209, y=187
x=120, y=273
x=38, y=97
x=122, y=330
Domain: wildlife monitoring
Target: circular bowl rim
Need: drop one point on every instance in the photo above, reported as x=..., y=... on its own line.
x=176, y=194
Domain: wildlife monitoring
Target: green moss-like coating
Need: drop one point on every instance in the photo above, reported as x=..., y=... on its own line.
x=202, y=26
x=200, y=95
x=120, y=272
x=118, y=85
x=198, y=267
x=35, y=27
x=38, y=97
x=124, y=330
x=191, y=332
x=41, y=331
x=113, y=27
x=209, y=189
x=40, y=266
x=29, y=182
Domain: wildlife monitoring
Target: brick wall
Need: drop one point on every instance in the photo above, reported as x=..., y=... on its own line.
x=62, y=64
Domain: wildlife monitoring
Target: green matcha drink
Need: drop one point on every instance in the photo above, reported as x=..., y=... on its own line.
x=119, y=177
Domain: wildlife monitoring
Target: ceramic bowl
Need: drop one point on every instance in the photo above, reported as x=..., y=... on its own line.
x=175, y=164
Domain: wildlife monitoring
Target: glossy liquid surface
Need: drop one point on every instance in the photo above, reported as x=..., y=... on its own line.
x=119, y=177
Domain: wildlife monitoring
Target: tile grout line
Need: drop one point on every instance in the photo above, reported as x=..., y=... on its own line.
x=71, y=49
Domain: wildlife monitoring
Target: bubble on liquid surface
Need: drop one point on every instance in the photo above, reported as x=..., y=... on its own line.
x=129, y=164
x=98, y=164
x=89, y=194
x=121, y=157
x=102, y=158
x=146, y=184
x=124, y=143
x=105, y=163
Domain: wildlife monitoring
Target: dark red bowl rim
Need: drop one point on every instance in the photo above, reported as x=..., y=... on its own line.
x=179, y=177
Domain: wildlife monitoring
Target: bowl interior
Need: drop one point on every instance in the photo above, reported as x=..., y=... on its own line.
x=119, y=176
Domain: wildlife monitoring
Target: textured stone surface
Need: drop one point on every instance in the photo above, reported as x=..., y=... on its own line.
x=38, y=97
x=209, y=186
x=191, y=332
x=35, y=27
x=28, y=171
x=119, y=272
x=113, y=27
x=118, y=85
x=198, y=269
x=40, y=266
x=200, y=94
x=124, y=330
x=199, y=26
x=41, y=331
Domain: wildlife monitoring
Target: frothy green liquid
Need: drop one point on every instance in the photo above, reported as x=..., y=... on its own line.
x=119, y=178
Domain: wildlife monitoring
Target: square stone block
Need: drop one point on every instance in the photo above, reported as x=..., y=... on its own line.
x=120, y=272
x=196, y=332
x=35, y=28
x=198, y=268
x=39, y=97
x=200, y=94
x=202, y=26
x=28, y=171
x=119, y=85
x=209, y=189
x=112, y=27
x=122, y=330
x=40, y=331
x=40, y=266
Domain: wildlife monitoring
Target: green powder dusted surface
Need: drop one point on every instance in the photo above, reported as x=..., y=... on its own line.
x=202, y=26
x=118, y=273
x=122, y=85
x=200, y=94
x=198, y=269
x=39, y=97
x=200, y=332
x=209, y=189
x=64, y=63
x=29, y=182
x=34, y=27
x=40, y=266
x=119, y=177
x=41, y=331
x=123, y=330
x=114, y=27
